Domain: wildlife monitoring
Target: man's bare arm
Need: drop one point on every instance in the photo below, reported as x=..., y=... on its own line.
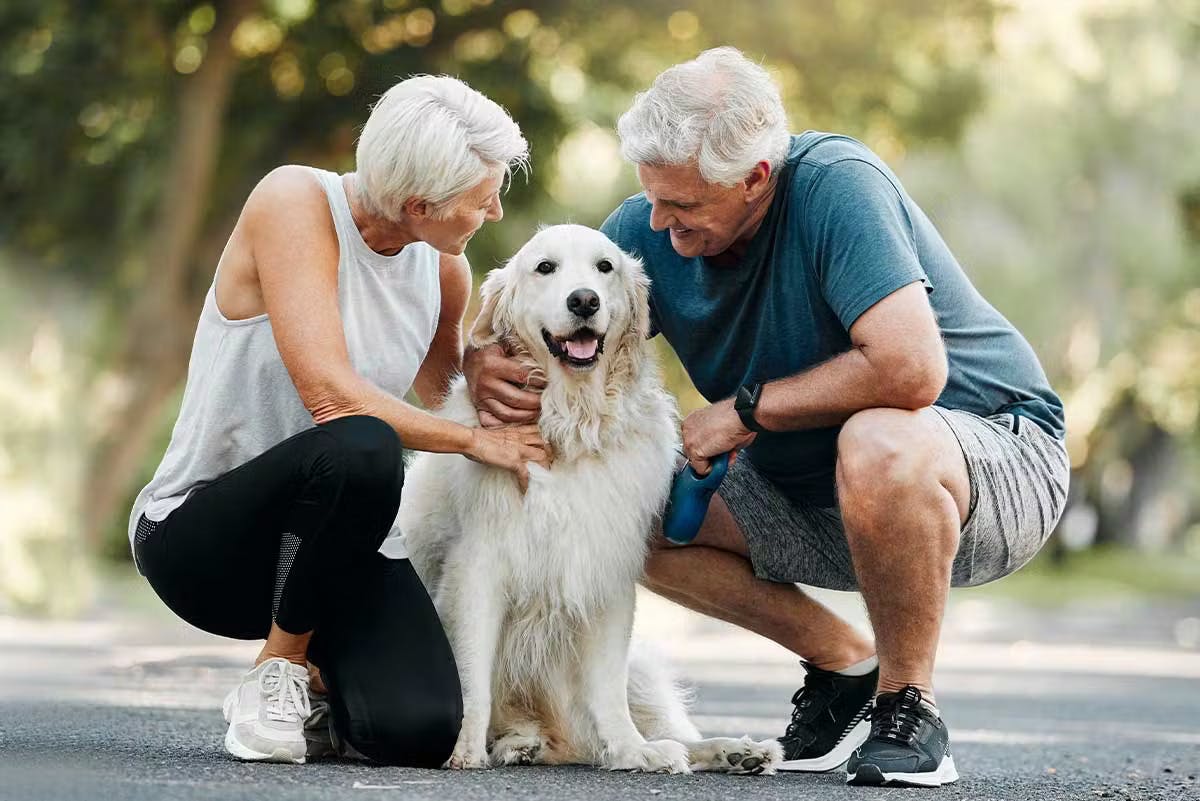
x=897, y=361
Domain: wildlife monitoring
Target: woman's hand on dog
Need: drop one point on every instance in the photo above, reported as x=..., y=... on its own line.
x=500, y=387
x=511, y=447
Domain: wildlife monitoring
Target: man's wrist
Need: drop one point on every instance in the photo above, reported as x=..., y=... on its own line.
x=745, y=404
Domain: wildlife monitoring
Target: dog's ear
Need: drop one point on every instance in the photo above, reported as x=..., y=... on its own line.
x=630, y=351
x=492, y=321
x=638, y=288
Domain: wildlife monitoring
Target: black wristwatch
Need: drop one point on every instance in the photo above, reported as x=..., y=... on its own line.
x=745, y=402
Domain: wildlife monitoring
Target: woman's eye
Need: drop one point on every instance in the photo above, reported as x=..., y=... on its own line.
x=604, y=266
x=545, y=267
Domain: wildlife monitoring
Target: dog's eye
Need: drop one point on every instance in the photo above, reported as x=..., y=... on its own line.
x=604, y=266
x=545, y=267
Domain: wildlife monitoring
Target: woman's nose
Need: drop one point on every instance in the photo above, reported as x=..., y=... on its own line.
x=495, y=212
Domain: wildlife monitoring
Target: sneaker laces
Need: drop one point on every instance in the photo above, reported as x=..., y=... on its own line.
x=896, y=717
x=285, y=692
x=809, y=702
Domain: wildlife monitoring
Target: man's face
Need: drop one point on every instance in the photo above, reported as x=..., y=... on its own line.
x=704, y=219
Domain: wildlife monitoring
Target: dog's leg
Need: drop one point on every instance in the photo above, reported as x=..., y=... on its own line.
x=472, y=609
x=521, y=743
x=605, y=678
x=730, y=755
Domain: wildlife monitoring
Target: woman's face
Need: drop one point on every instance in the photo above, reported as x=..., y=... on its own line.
x=465, y=214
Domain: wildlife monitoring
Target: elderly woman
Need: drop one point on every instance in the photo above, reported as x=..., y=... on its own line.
x=335, y=296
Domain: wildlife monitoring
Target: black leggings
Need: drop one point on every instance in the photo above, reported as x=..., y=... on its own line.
x=292, y=535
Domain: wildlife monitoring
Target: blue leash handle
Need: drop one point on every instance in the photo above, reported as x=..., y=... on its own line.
x=688, y=502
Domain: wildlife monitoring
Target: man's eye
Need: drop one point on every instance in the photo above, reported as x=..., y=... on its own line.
x=545, y=267
x=604, y=266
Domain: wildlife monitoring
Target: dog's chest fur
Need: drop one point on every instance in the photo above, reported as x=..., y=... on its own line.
x=579, y=533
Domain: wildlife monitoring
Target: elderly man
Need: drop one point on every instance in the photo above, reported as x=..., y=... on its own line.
x=897, y=436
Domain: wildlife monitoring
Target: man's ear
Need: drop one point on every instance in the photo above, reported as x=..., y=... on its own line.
x=492, y=321
x=759, y=180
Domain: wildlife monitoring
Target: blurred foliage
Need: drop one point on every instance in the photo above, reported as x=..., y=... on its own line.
x=1053, y=144
x=88, y=98
x=1071, y=200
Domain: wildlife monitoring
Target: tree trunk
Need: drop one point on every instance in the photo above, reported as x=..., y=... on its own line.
x=153, y=355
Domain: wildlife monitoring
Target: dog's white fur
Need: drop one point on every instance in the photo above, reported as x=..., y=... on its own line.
x=537, y=591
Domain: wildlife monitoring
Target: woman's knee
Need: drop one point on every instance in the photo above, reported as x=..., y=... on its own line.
x=369, y=457
x=408, y=736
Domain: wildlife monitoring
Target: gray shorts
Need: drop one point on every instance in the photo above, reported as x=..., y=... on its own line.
x=1019, y=477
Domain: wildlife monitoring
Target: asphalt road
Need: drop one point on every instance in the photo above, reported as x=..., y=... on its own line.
x=1084, y=703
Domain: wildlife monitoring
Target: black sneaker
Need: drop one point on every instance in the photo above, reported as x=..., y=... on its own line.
x=829, y=720
x=909, y=745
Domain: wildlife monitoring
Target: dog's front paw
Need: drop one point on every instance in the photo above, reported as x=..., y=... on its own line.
x=657, y=756
x=466, y=758
x=753, y=758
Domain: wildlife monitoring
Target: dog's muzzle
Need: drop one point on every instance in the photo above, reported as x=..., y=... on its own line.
x=581, y=348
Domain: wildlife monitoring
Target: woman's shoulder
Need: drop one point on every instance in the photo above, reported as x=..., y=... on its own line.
x=287, y=188
x=289, y=196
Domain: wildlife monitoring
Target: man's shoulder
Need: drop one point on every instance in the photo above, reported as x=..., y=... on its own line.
x=823, y=149
x=629, y=224
x=836, y=165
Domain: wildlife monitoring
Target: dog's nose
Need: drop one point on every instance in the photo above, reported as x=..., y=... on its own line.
x=583, y=303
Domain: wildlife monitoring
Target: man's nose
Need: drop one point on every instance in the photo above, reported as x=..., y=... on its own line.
x=583, y=303
x=659, y=218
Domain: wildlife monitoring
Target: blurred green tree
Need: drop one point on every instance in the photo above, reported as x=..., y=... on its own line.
x=1073, y=200
x=132, y=131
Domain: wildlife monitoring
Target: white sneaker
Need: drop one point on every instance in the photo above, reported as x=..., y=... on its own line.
x=266, y=713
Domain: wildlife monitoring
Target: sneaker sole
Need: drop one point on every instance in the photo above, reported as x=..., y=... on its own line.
x=871, y=776
x=835, y=758
x=240, y=751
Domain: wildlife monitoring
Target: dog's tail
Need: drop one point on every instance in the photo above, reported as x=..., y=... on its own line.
x=658, y=700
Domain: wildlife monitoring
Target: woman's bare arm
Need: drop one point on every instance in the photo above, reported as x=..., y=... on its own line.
x=295, y=253
x=445, y=357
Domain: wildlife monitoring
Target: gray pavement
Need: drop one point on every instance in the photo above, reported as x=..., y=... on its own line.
x=1092, y=701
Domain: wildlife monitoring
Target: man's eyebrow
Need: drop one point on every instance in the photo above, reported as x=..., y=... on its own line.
x=673, y=202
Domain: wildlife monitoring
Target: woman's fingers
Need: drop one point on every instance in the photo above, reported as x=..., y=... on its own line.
x=539, y=456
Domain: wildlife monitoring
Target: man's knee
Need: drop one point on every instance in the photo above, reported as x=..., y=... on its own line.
x=882, y=454
x=883, y=450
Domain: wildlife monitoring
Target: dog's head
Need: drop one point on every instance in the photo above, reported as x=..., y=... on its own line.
x=570, y=297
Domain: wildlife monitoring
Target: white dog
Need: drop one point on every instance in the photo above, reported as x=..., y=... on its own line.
x=537, y=591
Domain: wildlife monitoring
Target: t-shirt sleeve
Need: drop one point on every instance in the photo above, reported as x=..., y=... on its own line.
x=862, y=238
x=613, y=229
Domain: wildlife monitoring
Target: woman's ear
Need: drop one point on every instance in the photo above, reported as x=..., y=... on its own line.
x=492, y=321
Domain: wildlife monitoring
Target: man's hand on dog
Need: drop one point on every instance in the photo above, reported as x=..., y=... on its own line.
x=501, y=388
x=711, y=431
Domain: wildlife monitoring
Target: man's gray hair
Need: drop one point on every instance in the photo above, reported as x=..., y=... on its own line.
x=720, y=111
x=433, y=137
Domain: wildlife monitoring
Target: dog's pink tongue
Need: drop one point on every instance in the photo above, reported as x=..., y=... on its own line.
x=582, y=349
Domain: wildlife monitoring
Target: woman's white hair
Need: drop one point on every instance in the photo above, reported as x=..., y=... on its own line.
x=720, y=111
x=432, y=137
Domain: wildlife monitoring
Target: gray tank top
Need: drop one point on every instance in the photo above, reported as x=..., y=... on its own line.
x=239, y=400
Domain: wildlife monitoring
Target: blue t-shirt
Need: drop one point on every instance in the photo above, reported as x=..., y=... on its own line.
x=841, y=234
